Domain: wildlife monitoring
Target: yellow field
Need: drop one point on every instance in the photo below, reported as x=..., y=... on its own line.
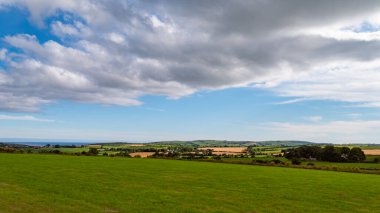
x=227, y=150
x=372, y=151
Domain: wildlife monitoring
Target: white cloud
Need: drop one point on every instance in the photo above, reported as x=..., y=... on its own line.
x=3, y=53
x=113, y=52
x=77, y=29
x=349, y=81
x=117, y=38
x=356, y=131
x=292, y=101
x=316, y=118
x=24, y=118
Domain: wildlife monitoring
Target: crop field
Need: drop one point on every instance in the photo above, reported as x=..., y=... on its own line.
x=58, y=183
x=371, y=151
x=226, y=150
x=142, y=154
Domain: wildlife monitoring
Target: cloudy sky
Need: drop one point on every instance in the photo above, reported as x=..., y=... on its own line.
x=162, y=70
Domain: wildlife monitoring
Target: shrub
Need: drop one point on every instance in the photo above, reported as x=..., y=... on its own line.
x=296, y=161
x=56, y=151
x=310, y=164
x=93, y=151
x=8, y=150
x=217, y=157
x=261, y=161
x=276, y=161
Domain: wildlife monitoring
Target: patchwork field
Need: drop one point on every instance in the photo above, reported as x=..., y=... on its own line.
x=56, y=183
x=226, y=150
x=142, y=154
x=371, y=151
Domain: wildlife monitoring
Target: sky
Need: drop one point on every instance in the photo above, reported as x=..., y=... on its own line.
x=143, y=71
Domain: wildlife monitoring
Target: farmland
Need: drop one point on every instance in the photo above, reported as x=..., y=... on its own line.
x=226, y=150
x=246, y=153
x=372, y=151
x=58, y=183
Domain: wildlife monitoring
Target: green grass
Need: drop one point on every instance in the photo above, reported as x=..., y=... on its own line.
x=55, y=183
x=367, y=147
x=366, y=167
x=346, y=165
x=371, y=158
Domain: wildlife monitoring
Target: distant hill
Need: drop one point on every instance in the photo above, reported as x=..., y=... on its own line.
x=226, y=143
x=205, y=143
x=284, y=143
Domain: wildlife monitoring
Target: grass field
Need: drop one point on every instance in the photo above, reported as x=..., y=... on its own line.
x=55, y=183
x=348, y=165
x=365, y=167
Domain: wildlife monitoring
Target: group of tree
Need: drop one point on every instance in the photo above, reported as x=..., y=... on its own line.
x=327, y=153
x=250, y=151
x=135, y=149
x=61, y=146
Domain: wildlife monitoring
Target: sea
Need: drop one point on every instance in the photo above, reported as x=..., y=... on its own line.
x=44, y=143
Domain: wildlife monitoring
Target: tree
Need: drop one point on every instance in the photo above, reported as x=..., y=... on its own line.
x=356, y=155
x=93, y=151
x=250, y=151
x=345, y=151
x=328, y=153
x=332, y=154
x=304, y=152
x=253, y=154
x=208, y=152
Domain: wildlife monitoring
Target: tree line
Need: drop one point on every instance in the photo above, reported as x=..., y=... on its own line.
x=327, y=153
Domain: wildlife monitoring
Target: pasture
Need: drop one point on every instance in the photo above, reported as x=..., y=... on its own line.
x=58, y=183
x=68, y=150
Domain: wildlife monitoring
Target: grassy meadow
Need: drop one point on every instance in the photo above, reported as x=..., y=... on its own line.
x=365, y=164
x=58, y=183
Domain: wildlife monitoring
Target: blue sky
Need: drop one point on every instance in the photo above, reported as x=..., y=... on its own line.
x=143, y=71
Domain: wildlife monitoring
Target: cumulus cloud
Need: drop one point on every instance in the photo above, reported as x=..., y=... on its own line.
x=113, y=52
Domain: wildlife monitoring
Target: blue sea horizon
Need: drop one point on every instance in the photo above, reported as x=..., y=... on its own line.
x=44, y=143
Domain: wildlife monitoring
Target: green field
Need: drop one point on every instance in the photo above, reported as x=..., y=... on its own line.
x=348, y=165
x=56, y=183
x=68, y=150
